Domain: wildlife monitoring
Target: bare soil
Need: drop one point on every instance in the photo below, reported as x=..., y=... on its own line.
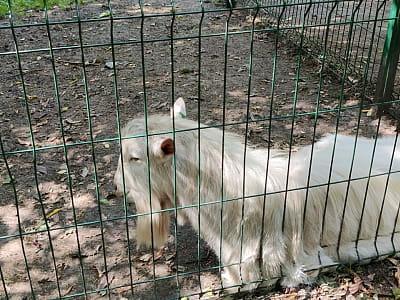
x=71, y=259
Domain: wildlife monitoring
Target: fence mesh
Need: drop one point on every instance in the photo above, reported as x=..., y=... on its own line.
x=71, y=78
x=355, y=32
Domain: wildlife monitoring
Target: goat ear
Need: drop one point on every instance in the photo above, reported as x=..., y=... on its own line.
x=179, y=109
x=167, y=147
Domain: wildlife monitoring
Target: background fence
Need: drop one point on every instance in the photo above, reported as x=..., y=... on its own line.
x=349, y=35
x=71, y=77
x=354, y=31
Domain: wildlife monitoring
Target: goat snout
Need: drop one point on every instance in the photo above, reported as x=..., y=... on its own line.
x=118, y=192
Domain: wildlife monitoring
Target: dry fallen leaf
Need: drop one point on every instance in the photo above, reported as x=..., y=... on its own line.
x=24, y=142
x=55, y=211
x=355, y=287
x=84, y=172
x=117, y=236
x=159, y=254
x=178, y=269
x=103, y=280
x=371, y=276
x=100, y=272
x=146, y=257
x=41, y=169
x=70, y=121
x=170, y=257
x=31, y=97
x=397, y=276
x=69, y=290
x=208, y=292
x=44, y=280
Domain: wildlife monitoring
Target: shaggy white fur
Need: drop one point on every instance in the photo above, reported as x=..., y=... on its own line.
x=263, y=216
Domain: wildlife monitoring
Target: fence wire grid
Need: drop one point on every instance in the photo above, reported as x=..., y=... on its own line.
x=71, y=78
x=349, y=49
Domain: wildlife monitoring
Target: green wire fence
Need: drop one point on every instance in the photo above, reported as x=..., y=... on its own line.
x=280, y=73
x=358, y=35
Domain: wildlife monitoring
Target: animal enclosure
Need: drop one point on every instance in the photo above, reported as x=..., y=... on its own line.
x=346, y=29
x=280, y=74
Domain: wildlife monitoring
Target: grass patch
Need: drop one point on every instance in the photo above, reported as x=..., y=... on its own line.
x=21, y=6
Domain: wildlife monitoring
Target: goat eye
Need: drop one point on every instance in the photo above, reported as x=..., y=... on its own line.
x=132, y=159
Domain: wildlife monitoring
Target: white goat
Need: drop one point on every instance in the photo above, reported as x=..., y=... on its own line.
x=264, y=215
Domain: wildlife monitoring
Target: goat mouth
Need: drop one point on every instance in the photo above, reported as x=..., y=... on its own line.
x=120, y=195
x=165, y=201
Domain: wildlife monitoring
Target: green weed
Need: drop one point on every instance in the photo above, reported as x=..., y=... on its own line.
x=21, y=6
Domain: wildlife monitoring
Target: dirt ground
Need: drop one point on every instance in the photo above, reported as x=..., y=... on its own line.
x=72, y=259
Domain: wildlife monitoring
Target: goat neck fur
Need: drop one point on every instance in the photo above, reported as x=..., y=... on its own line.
x=264, y=215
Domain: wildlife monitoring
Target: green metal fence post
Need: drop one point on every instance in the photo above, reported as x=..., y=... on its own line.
x=390, y=59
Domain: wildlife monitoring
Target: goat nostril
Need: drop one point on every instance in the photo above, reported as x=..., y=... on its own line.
x=115, y=187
